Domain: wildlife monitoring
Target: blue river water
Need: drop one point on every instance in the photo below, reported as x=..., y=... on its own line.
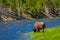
x=15, y=30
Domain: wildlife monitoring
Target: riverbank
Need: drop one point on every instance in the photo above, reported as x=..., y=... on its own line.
x=49, y=34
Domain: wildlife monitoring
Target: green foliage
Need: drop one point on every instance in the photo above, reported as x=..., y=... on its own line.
x=0, y=2
x=57, y=2
x=35, y=8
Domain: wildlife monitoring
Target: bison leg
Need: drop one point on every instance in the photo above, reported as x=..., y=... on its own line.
x=38, y=29
x=43, y=27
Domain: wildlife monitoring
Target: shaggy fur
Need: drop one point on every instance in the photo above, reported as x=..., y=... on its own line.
x=39, y=26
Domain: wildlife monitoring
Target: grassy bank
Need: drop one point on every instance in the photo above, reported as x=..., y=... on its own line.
x=49, y=34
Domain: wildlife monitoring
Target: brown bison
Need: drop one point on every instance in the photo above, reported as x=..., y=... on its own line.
x=38, y=26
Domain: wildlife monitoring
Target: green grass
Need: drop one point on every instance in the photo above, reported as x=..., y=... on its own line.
x=49, y=34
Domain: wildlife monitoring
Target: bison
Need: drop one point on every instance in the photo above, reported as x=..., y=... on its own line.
x=38, y=26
